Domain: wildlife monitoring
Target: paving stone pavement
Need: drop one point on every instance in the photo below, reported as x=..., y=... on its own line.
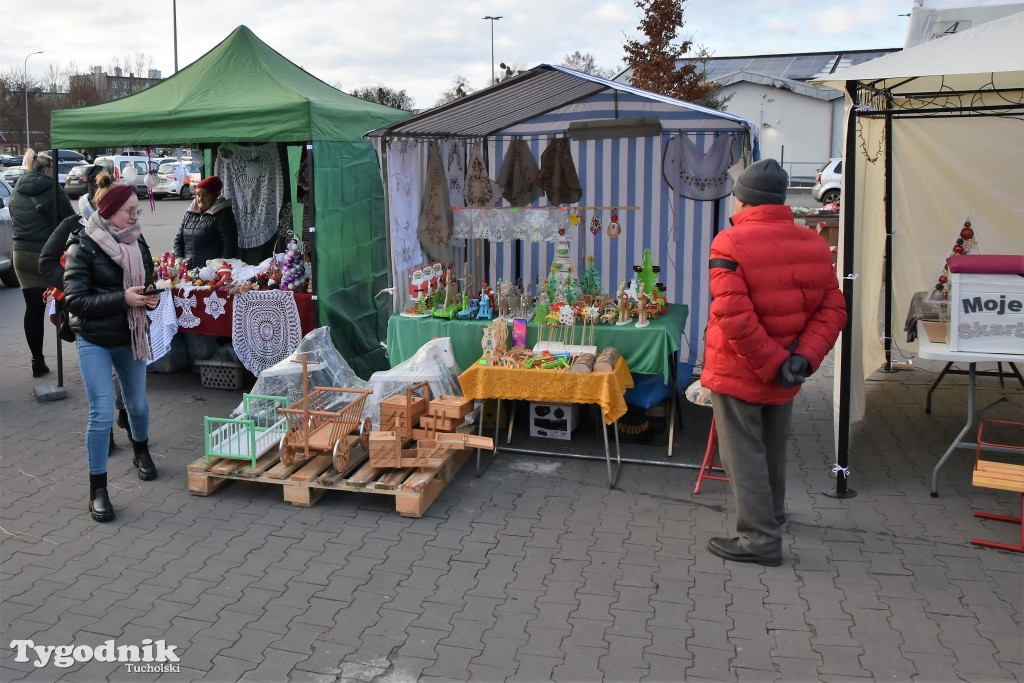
x=534, y=571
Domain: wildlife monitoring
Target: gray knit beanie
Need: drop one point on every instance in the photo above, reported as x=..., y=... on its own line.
x=763, y=182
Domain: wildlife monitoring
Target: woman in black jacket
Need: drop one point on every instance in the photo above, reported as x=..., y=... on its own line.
x=35, y=216
x=108, y=266
x=208, y=230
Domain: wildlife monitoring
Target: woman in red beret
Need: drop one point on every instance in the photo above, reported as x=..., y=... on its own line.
x=108, y=267
x=208, y=230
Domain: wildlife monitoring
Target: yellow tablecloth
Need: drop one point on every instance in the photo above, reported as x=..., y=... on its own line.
x=604, y=388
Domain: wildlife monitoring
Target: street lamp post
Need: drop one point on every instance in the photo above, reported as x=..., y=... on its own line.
x=492, y=19
x=28, y=143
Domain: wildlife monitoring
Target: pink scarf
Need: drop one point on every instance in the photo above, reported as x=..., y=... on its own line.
x=122, y=246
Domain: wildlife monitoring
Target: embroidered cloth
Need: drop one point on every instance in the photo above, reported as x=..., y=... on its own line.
x=480, y=189
x=503, y=225
x=404, y=195
x=454, y=154
x=265, y=327
x=253, y=180
x=700, y=175
x=518, y=175
x=558, y=173
x=435, y=221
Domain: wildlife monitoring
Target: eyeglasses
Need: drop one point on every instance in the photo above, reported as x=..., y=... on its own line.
x=134, y=213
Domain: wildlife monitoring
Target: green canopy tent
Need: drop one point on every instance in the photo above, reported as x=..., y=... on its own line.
x=243, y=91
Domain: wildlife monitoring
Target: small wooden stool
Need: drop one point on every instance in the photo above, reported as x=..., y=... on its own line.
x=710, y=459
x=999, y=475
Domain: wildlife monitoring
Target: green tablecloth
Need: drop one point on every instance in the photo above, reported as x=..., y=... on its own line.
x=648, y=350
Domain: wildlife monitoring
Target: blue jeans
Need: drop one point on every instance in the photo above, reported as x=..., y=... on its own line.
x=95, y=363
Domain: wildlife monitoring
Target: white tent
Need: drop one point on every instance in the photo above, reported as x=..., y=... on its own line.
x=935, y=134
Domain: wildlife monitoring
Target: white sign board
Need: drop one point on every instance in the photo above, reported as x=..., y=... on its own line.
x=987, y=313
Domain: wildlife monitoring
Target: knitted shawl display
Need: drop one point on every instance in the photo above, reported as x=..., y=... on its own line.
x=255, y=183
x=265, y=327
x=518, y=176
x=558, y=173
x=480, y=189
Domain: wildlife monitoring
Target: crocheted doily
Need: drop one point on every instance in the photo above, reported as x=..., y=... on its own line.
x=265, y=327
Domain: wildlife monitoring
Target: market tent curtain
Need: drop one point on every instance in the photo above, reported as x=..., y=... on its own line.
x=352, y=259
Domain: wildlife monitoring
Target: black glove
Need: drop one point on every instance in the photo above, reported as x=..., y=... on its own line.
x=793, y=371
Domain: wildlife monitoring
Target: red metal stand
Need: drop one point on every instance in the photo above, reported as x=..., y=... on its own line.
x=710, y=462
x=1000, y=475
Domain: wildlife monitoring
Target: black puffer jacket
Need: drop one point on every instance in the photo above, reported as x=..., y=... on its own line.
x=94, y=291
x=210, y=235
x=32, y=210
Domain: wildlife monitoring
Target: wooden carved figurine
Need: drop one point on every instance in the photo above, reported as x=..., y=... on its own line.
x=641, y=306
x=625, y=317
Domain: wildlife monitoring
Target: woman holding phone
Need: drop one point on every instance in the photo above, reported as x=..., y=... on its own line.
x=107, y=280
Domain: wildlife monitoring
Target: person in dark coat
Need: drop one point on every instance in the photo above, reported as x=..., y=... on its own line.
x=208, y=230
x=35, y=216
x=776, y=310
x=108, y=267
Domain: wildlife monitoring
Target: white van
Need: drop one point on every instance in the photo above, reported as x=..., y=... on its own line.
x=116, y=166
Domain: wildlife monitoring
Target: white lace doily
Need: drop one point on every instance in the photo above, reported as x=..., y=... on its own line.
x=186, y=303
x=215, y=306
x=265, y=327
x=162, y=326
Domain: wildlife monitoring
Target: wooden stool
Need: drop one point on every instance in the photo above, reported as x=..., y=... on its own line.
x=999, y=475
x=710, y=461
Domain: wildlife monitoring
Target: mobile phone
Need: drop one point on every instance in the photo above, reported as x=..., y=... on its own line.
x=150, y=289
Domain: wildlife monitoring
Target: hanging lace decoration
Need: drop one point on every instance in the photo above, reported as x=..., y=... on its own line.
x=499, y=225
x=162, y=326
x=265, y=328
x=186, y=303
x=215, y=306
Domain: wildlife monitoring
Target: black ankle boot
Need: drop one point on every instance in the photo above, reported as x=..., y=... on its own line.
x=143, y=461
x=113, y=445
x=122, y=421
x=39, y=367
x=99, y=502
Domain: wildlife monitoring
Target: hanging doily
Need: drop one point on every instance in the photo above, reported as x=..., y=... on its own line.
x=265, y=328
x=162, y=326
x=215, y=306
x=186, y=303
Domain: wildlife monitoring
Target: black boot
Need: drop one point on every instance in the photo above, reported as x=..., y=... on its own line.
x=123, y=423
x=39, y=367
x=143, y=461
x=99, y=502
x=112, y=444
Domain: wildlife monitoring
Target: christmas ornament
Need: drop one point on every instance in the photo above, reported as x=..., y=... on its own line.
x=964, y=243
x=293, y=268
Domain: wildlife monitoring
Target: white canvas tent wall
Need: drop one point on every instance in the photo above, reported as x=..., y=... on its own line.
x=618, y=171
x=934, y=133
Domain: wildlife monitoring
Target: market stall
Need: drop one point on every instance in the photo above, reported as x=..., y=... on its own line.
x=243, y=101
x=934, y=140
x=621, y=171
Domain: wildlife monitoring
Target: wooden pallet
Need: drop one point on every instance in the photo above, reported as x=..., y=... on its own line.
x=304, y=483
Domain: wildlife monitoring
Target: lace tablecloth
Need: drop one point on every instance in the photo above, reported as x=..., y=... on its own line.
x=205, y=311
x=607, y=389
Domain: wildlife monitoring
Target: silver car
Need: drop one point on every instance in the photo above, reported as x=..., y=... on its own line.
x=7, y=274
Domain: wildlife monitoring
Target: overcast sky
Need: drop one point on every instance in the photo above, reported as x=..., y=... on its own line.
x=420, y=45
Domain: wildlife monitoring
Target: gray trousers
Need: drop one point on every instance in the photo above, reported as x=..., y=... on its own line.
x=752, y=441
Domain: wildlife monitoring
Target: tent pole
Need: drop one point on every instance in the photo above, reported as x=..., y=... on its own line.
x=312, y=233
x=846, y=350
x=887, y=340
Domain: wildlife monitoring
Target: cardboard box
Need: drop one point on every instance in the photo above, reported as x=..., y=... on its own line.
x=554, y=420
x=936, y=331
x=987, y=313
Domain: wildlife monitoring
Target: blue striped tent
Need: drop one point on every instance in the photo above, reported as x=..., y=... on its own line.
x=614, y=172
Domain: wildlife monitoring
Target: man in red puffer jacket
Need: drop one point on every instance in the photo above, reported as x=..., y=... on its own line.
x=776, y=311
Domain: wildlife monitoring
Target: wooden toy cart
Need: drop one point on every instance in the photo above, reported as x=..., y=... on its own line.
x=315, y=427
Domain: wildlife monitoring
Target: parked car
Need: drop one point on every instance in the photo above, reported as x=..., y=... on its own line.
x=168, y=185
x=116, y=166
x=12, y=174
x=75, y=185
x=7, y=274
x=829, y=183
x=9, y=160
x=64, y=167
x=68, y=155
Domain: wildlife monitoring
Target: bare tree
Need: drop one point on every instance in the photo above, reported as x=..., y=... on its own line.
x=460, y=88
x=585, y=62
x=655, y=62
x=381, y=94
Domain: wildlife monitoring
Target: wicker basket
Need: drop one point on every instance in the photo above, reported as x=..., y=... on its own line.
x=219, y=374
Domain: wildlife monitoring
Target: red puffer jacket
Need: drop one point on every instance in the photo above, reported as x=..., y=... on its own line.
x=772, y=283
